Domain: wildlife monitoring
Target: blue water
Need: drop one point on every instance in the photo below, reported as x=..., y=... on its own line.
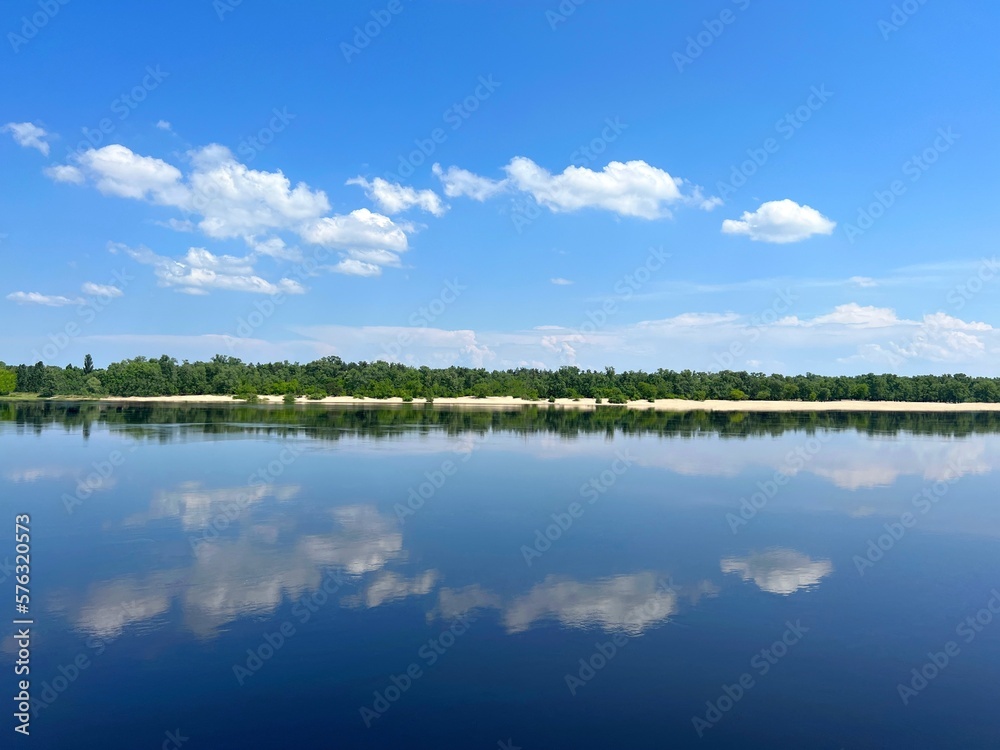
x=239, y=583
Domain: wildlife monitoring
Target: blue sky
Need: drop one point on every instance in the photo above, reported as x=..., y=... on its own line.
x=703, y=185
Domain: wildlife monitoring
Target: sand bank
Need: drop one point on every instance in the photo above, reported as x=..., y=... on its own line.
x=506, y=402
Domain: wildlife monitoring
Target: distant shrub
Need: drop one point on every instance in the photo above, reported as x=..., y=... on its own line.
x=246, y=393
x=598, y=400
x=288, y=398
x=552, y=399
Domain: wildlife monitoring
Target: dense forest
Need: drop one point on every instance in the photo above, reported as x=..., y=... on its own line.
x=331, y=376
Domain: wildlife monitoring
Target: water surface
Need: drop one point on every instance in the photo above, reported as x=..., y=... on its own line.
x=425, y=578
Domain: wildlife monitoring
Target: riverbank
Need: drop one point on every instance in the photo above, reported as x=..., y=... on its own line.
x=677, y=405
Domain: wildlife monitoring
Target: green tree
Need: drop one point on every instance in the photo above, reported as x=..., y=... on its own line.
x=88, y=364
x=8, y=381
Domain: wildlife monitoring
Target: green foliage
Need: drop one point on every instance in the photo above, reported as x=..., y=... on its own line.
x=8, y=381
x=88, y=364
x=331, y=376
x=247, y=393
x=289, y=398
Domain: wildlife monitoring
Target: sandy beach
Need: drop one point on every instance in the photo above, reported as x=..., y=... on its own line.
x=678, y=405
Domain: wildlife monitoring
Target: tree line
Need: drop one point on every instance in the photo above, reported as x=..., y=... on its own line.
x=331, y=376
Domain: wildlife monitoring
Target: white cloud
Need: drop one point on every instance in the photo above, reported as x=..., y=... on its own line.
x=394, y=198
x=35, y=298
x=779, y=571
x=164, y=125
x=458, y=182
x=632, y=188
x=353, y=267
x=432, y=346
x=780, y=222
x=235, y=200
x=560, y=281
x=101, y=290
x=228, y=199
x=28, y=135
x=64, y=173
x=628, y=189
x=847, y=339
x=200, y=271
x=852, y=315
x=116, y=170
x=358, y=229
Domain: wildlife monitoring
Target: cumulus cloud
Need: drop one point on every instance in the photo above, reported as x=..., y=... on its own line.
x=28, y=135
x=117, y=170
x=164, y=125
x=632, y=188
x=200, y=271
x=394, y=198
x=780, y=222
x=224, y=199
x=628, y=189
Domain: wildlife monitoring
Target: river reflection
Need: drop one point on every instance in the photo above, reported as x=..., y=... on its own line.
x=199, y=538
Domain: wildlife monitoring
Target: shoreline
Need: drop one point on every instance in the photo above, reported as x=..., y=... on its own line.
x=671, y=405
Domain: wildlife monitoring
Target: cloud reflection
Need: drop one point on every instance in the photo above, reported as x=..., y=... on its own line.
x=779, y=571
